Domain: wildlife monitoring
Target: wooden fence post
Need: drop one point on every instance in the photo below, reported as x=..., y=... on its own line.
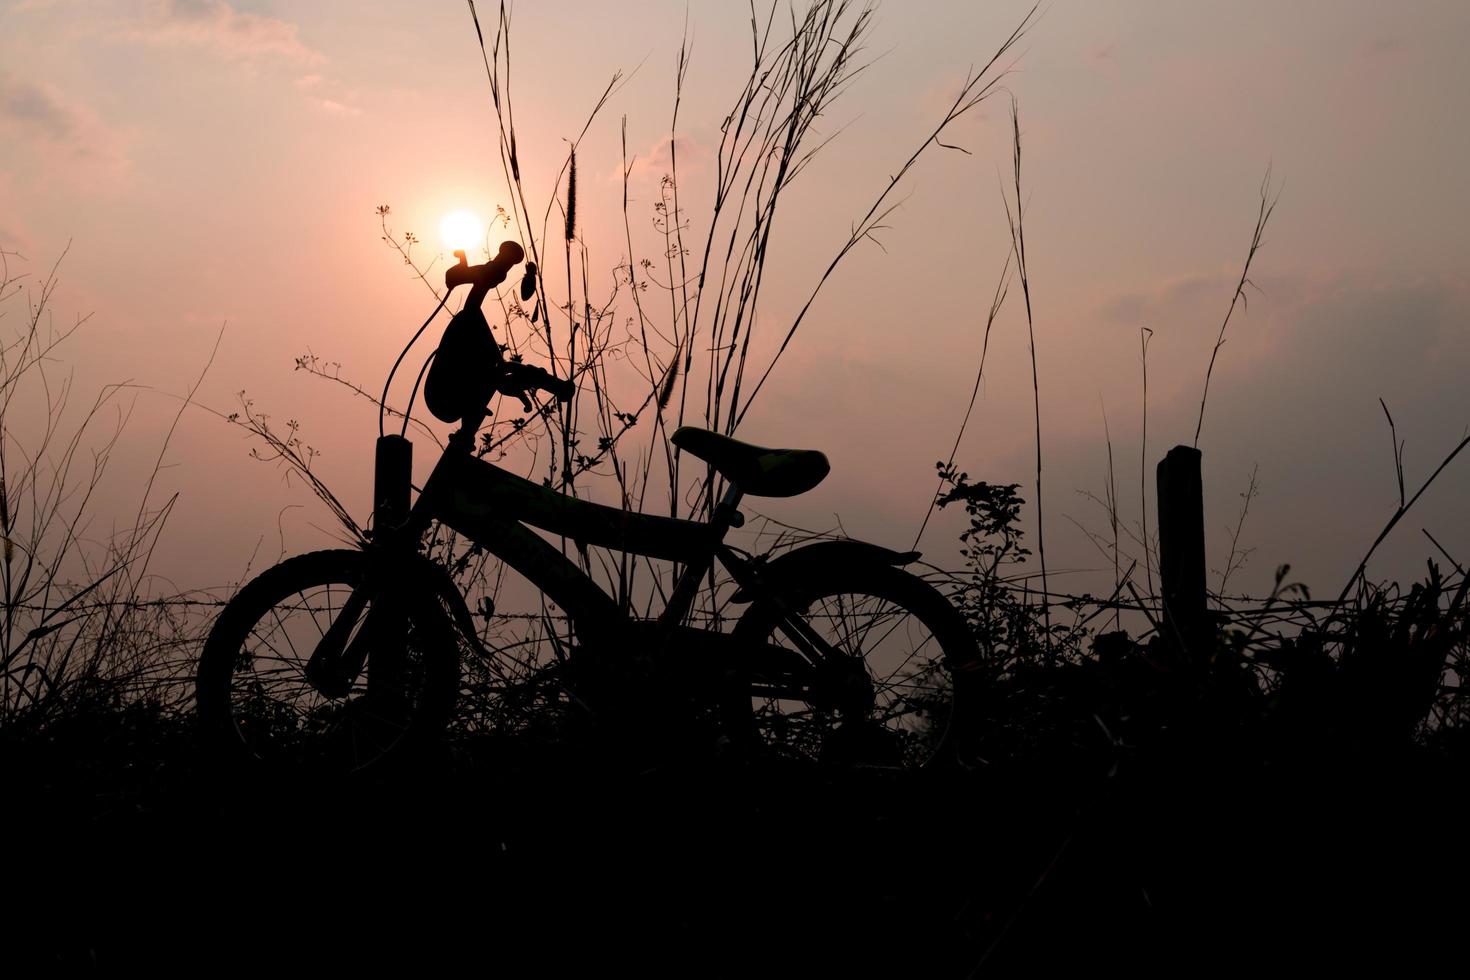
x=1182, y=552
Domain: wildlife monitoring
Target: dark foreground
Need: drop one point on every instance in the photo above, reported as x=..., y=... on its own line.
x=502, y=860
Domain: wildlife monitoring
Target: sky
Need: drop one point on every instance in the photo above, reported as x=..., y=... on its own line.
x=213, y=166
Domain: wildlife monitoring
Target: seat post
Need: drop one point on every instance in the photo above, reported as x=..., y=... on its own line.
x=725, y=515
x=721, y=520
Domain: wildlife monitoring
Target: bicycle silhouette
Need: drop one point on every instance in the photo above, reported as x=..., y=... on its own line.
x=344, y=657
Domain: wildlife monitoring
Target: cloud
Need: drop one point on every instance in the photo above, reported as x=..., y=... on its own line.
x=1176, y=301
x=335, y=108
x=39, y=116
x=313, y=86
x=36, y=109
x=1382, y=47
x=14, y=235
x=216, y=25
x=34, y=6
x=657, y=161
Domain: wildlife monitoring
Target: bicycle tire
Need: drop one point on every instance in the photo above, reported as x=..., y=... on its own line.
x=918, y=691
x=255, y=702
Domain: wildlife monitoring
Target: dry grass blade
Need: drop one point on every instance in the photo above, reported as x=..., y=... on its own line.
x=978, y=87
x=72, y=616
x=1398, y=450
x=1018, y=249
x=1237, y=557
x=1112, y=505
x=1398, y=515
x=1144, y=335
x=996, y=301
x=1263, y=215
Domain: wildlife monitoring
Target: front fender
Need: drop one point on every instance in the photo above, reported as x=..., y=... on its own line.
x=809, y=559
x=417, y=572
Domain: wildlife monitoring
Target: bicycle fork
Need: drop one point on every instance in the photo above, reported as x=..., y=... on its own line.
x=335, y=663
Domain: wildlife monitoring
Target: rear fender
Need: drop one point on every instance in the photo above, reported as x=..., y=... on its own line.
x=809, y=559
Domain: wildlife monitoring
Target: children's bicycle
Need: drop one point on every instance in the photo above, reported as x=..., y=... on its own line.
x=344, y=657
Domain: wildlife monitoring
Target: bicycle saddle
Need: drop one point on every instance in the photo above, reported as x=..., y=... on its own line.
x=758, y=471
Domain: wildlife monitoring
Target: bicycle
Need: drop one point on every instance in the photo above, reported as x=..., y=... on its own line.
x=345, y=657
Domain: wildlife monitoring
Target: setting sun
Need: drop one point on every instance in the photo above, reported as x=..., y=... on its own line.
x=462, y=230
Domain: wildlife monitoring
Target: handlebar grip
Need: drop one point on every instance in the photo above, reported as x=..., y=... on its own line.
x=483, y=277
x=521, y=377
x=499, y=267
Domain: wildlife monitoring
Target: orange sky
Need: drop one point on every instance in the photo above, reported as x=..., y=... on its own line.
x=219, y=163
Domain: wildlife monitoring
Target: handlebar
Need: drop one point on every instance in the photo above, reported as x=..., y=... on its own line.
x=522, y=378
x=482, y=278
x=468, y=366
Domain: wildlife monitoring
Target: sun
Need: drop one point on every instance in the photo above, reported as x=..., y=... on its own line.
x=462, y=230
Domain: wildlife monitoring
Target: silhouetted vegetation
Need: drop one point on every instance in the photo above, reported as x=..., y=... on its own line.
x=1122, y=798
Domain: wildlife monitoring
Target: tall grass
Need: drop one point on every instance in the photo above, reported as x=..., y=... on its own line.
x=1238, y=297
x=682, y=318
x=642, y=366
x=679, y=336
x=77, y=622
x=1017, y=223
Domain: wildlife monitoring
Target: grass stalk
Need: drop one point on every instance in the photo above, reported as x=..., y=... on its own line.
x=1016, y=222
x=1263, y=215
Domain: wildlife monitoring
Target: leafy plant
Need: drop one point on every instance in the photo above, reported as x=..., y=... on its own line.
x=1006, y=624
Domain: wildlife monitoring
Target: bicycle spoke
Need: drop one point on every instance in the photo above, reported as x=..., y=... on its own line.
x=906, y=660
x=312, y=612
x=287, y=634
x=903, y=664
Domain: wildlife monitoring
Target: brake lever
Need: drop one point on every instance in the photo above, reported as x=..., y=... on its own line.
x=508, y=386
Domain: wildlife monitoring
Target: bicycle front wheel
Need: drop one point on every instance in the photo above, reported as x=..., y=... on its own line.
x=890, y=690
x=253, y=691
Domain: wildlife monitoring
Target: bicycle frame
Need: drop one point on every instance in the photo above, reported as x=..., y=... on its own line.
x=492, y=507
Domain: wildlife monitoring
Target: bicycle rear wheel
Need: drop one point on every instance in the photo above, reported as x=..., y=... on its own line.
x=892, y=690
x=255, y=698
